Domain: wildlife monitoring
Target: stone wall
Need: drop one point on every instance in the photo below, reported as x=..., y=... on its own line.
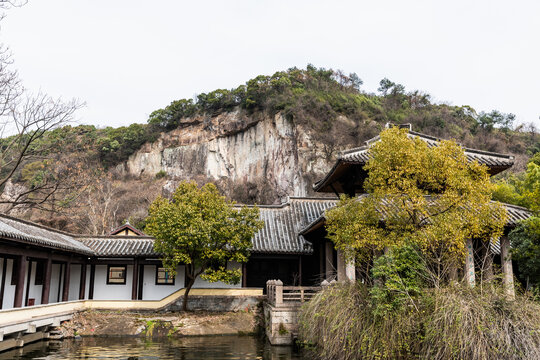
x=218, y=303
x=281, y=323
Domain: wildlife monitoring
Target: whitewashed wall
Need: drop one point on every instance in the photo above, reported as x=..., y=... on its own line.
x=103, y=291
x=74, y=282
x=202, y=284
x=151, y=291
x=34, y=292
x=9, y=290
x=56, y=284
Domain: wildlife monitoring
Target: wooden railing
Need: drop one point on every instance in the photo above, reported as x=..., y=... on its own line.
x=279, y=295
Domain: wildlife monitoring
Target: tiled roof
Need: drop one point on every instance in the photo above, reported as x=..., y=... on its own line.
x=31, y=233
x=361, y=156
x=515, y=215
x=110, y=246
x=279, y=235
x=282, y=224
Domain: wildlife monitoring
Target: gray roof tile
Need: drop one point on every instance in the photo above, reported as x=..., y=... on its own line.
x=31, y=233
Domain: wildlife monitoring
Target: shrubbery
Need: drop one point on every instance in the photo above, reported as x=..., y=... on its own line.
x=455, y=322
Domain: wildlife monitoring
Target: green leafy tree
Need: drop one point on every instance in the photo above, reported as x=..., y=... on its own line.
x=201, y=229
x=429, y=197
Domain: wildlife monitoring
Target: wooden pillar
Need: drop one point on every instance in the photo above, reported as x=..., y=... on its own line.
x=19, y=286
x=141, y=282
x=91, y=285
x=134, y=279
x=341, y=266
x=469, y=263
x=46, y=282
x=28, y=284
x=300, y=270
x=244, y=275
x=82, y=282
x=508, y=274
x=321, y=260
x=329, y=263
x=67, y=275
x=3, y=284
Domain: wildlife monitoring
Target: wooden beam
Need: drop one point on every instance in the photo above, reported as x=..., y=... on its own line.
x=67, y=275
x=82, y=282
x=92, y=278
x=134, y=279
x=244, y=275
x=19, y=286
x=3, y=284
x=46, y=282
x=6, y=249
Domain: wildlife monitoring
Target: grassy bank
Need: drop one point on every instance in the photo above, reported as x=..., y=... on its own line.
x=447, y=323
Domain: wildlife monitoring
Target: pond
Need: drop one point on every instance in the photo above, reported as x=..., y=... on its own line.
x=188, y=348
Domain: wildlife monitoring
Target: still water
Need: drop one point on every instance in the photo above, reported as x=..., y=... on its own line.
x=129, y=348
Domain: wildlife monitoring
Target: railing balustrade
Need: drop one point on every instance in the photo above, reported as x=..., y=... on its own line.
x=279, y=295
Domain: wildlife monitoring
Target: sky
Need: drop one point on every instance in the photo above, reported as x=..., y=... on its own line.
x=125, y=59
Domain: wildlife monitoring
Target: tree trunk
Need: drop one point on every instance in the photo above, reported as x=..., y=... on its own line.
x=188, y=288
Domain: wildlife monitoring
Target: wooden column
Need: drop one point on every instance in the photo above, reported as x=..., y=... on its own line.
x=508, y=274
x=321, y=260
x=82, y=282
x=469, y=263
x=141, y=282
x=28, y=278
x=67, y=275
x=46, y=289
x=91, y=285
x=300, y=270
x=19, y=287
x=3, y=284
x=244, y=275
x=134, y=279
x=341, y=266
x=329, y=263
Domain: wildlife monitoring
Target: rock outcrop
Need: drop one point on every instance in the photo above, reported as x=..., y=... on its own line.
x=260, y=159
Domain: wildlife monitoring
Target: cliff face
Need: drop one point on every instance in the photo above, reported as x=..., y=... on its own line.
x=252, y=159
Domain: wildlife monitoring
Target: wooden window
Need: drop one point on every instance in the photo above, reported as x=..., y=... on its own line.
x=40, y=272
x=163, y=276
x=116, y=274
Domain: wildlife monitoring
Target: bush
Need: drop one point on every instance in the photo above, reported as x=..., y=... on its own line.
x=450, y=323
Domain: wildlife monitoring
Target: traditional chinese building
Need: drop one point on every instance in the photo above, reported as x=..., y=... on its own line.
x=40, y=265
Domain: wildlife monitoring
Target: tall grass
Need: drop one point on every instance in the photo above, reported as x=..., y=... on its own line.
x=449, y=323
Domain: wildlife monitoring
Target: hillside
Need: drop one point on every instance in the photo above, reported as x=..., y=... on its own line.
x=260, y=142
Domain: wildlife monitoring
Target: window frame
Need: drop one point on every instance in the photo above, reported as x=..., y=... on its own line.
x=157, y=278
x=109, y=266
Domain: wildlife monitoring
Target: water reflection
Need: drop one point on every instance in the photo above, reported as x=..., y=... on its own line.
x=190, y=348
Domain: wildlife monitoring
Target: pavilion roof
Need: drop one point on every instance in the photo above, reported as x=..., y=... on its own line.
x=358, y=157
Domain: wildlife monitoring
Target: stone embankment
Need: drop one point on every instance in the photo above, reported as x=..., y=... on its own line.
x=173, y=324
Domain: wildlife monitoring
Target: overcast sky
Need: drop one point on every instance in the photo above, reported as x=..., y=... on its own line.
x=128, y=58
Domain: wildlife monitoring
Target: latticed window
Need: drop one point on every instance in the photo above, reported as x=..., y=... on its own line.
x=116, y=274
x=164, y=277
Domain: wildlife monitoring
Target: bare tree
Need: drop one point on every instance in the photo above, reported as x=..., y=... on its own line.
x=25, y=120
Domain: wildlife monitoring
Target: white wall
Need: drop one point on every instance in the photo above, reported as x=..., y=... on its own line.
x=202, y=284
x=151, y=291
x=74, y=282
x=9, y=290
x=35, y=290
x=56, y=284
x=103, y=291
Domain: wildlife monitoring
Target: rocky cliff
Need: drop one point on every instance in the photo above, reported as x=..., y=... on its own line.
x=259, y=159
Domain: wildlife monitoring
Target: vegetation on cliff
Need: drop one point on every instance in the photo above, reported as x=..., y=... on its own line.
x=330, y=106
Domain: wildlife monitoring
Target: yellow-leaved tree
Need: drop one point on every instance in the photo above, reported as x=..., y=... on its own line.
x=429, y=198
x=204, y=231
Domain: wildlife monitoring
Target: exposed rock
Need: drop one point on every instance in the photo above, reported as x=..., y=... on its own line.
x=261, y=159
